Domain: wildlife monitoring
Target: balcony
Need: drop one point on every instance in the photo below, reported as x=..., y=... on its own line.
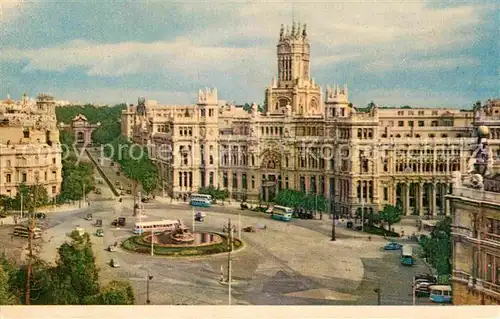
x=491, y=239
x=476, y=283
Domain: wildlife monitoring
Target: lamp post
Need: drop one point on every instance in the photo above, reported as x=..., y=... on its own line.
x=148, y=279
x=377, y=291
x=333, y=221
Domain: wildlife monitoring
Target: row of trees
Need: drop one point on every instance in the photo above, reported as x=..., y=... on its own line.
x=77, y=174
x=74, y=280
x=29, y=197
x=438, y=247
x=107, y=116
x=135, y=163
x=295, y=199
x=216, y=193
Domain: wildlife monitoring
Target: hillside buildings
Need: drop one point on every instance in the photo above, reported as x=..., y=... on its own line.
x=310, y=139
x=475, y=203
x=30, y=151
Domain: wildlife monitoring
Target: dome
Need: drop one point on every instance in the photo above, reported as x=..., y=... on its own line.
x=483, y=131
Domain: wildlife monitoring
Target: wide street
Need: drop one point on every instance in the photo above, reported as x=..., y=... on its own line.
x=291, y=263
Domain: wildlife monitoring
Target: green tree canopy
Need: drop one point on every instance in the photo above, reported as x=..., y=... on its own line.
x=295, y=199
x=438, y=247
x=391, y=215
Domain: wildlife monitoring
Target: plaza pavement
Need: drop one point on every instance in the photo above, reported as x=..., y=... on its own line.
x=288, y=263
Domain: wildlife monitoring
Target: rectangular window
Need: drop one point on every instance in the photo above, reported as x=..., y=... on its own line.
x=24, y=178
x=53, y=189
x=8, y=178
x=421, y=112
x=244, y=181
x=386, y=194
x=410, y=123
x=401, y=113
x=401, y=123
x=26, y=133
x=420, y=123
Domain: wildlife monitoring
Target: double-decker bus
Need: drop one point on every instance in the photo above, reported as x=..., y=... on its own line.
x=281, y=213
x=23, y=231
x=200, y=200
x=155, y=226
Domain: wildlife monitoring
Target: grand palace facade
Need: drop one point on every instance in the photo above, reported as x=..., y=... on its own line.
x=311, y=140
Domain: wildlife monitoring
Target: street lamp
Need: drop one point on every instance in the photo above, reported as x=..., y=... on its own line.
x=377, y=291
x=148, y=279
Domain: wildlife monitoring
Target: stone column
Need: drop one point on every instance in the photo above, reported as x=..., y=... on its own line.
x=407, y=199
x=433, y=199
x=420, y=199
x=442, y=190
x=394, y=193
x=447, y=210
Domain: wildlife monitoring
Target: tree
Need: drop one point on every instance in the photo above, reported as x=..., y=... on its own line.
x=438, y=247
x=115, y=293
x=391, y=215
x=76, y=273
x=6, y=296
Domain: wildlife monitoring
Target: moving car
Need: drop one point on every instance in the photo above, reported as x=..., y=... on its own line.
x=114, y=263
x=120, y=222
x=199, y=217
x=422, y=288
x=88, y=217
x=98, y=223
x=99, y=232
x=393, y=246
x=111, y=248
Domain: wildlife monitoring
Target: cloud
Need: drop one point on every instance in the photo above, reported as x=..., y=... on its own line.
x=117, y=95
x=433, y=63
x=232, y=45
x=10, y=10
x=416, y=98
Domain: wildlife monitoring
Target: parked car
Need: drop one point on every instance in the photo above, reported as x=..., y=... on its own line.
x=40, y=215
x=145, y=200
x=98, y=223
x=98, y=191
x=99, y=232
x=114, y=263
x=117, y=183
x=129, y=191
x=393, y=246
x=88, y=217
x=111, y=248
x=427, y=277
x=422, y=289
x=119, y=222
x=349, y=224
x=244, y=205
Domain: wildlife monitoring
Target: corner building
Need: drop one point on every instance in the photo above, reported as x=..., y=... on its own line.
x=307, y=139
x=30, y=151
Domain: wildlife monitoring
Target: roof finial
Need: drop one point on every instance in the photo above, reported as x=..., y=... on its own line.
x=281, y=32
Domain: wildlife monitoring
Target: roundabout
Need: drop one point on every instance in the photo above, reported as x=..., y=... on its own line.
x=164, y=244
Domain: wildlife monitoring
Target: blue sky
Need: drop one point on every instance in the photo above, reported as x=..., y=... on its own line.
x=392, y=52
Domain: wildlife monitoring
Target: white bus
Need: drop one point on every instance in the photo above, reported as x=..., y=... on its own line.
x=23, y=231
x=282, y=213
x=201, y=200
x=156, y=226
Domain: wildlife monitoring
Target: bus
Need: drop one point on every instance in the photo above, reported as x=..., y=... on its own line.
x=407, y=255
x=156, y=226
x=23, y=231
x=282, y=213
x=440, y=293
x=200, y=200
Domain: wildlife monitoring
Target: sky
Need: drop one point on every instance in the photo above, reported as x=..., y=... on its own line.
x=417, y=53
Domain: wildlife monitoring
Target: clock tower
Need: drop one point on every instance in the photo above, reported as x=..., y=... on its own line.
x=294, y=85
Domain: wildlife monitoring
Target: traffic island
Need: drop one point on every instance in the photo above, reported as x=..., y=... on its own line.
x=203, y=243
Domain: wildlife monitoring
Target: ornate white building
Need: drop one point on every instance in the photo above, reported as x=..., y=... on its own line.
x=30, y=151
x=310, y=140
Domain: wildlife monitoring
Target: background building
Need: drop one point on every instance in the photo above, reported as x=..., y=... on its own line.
x=475, y=203
x=30, y=151
x=310, y=140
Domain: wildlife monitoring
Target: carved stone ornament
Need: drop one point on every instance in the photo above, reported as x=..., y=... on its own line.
x=474, y=181
x=203, y=132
